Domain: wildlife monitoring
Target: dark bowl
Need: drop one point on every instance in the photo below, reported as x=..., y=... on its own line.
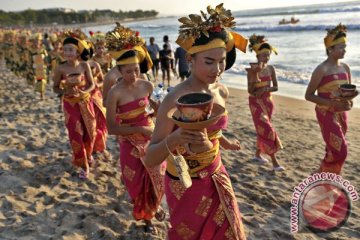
x=347, y=89
x=195, y=107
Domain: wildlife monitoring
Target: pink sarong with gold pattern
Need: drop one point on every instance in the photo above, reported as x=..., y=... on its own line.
x=100, y=116
x=262, y=109
x=144, y=185
x=208, y=209
x=333, y=124
x=81, y=125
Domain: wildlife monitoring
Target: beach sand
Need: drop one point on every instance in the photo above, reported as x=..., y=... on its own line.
x=41, y=196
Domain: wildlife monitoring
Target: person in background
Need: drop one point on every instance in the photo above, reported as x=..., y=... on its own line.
x=261, y=82
x=183, y=65
x=127, y=118
x=331, y=106
x=73, y=79
x=165, y=59
x=154, y=50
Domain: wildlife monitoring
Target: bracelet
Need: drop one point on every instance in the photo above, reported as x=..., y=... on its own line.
x=188, y=150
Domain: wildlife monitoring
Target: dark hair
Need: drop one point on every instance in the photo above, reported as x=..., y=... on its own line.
x=202, y=40
x=128, y=54
x=265, y=46
x=223, y=35
x=131, y=53
x=340, y=35
x=85, y=54
x=165, y=46
x=166, y=38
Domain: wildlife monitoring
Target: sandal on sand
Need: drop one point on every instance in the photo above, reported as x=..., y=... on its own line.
x=278, y=169
x=261, y=160
x=83, y=174
x=150, y=229
x=160, y=214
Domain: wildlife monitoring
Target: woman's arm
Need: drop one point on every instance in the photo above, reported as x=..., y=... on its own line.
x=110, y=79
x=57, y=79
x=99, y=75
x=89, y=77
x=274, y=86
x=251, y=79
x=229, y=144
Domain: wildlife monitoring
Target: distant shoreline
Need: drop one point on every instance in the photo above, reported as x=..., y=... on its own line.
x=86, y=25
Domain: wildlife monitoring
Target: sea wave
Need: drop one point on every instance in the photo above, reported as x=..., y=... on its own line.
x=298, y=10
x=284, y=28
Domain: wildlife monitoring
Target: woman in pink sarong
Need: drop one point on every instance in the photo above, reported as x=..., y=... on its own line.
x=100, y=111
x=260, y=78
x=331, y=107
x=74, y=80
x=127, y=118
x=206, y=209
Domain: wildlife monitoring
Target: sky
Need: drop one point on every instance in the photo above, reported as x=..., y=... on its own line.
x=164, y=7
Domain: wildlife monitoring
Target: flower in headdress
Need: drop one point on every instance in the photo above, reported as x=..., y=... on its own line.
x=214, y=21
x=335, y=35
x=122, y=38
x=259, y=44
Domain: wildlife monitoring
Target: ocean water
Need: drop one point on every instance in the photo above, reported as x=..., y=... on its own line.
x=300, y=45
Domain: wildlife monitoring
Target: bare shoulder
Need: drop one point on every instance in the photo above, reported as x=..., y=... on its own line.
x=345, y=66
x=113, y=74
x=271, y=68
x=321, y=69
x=223, y=90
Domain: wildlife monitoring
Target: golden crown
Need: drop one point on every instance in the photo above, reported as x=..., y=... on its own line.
x=335, y=31
x=122, y=38
x=216, y=19
x=255, y=39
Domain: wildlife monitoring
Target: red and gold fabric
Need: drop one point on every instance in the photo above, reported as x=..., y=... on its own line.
x=333, y=124
x=100, y=116
x=144, y=185
x=208, y=209
x=81, y=125
x=261, y=109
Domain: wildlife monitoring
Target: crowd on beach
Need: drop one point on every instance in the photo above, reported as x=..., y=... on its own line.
x=105, y=83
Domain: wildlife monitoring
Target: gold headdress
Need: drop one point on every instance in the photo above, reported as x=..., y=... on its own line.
x=256, y=43
x=335, y=36
x=218, y=19
x=97, y=38
x=37, y=36
x=123, y=39
x=78, y=39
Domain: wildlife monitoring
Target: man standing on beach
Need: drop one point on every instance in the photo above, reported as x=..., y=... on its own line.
x=154, y=50
x=180, y=57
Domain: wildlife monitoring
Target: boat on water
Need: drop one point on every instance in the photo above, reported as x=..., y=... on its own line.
x=291, y=21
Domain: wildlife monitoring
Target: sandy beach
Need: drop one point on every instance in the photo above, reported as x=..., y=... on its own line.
x=41, y=196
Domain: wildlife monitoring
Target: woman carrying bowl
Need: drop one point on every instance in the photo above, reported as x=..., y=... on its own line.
x=127, y=118
x=261, y=82
x=208, y=208
x=74, y=80
x=332, y=103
